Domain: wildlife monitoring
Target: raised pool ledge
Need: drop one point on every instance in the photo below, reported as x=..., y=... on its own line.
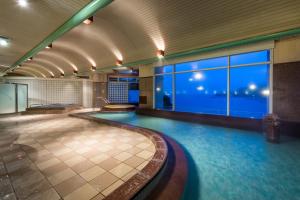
x=164, y=177
x=215, y=120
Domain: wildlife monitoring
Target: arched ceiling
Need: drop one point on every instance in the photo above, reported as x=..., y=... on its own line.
x=134, y=29
x=27, y=26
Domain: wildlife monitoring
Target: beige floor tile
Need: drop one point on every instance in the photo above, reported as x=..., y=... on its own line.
x=40, y=153
x=113, y=152
x=124, y=147
x=103, y=181
x=123, y=156
x=134, y=161
x=54, y=169
x=134, y=150
x=141, y=166
x=121, y=170
x=143, y=145
x=72, y=144
x=112, y=188
x=105, y=148
x=129, y=175
x=75, y=160
x=48, y=163
x=83, y=150
x=86, y=192
x=98, y=197
x=82, y=166
x=99, y=158
x=70, y=185
x=151, y=148
x=61, y=151
x=145, y=154
x=61, y=176
x=67, y=156
x=92, y=173
x=109, y=163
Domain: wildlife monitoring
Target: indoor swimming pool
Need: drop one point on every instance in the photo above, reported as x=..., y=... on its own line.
x=228, y=164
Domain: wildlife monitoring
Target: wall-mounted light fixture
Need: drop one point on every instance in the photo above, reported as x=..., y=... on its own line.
x=119, y=63
x=75, y=72
x=89, y=20
x=93, y=68
x=160, y=53
x=52, y=76
x=4, y=41
x=29, y=59
x=49, y=46
x=62, y=75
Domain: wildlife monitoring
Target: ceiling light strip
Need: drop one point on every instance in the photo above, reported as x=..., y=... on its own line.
x=76, y=19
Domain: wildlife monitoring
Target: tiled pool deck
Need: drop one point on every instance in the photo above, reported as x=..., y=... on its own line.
x=59, y=157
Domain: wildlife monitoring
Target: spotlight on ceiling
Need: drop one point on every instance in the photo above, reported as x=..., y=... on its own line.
x=119, y=63
x=93, y=68
x=4, y=41
x=160, y=53
x=75, y=72
x=23, y=3
x=29, y=59
x=49, y=46
x=89, y=20
x=62, y=75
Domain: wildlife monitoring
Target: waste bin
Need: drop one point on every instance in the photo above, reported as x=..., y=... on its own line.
x=272, y=128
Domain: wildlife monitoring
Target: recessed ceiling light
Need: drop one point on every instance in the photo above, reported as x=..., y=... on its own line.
x=89, y=20
x=93, y=68
x=119, y=63
x=23, y=3
x=160, y=53
x=49, y=46
x=4, y=41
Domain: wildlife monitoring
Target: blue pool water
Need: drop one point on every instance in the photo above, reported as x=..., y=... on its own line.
x=229, y=164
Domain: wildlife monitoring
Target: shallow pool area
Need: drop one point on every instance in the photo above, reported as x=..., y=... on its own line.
x=228, y=164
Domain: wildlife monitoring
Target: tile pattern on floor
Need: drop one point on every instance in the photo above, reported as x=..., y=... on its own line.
x=53, y=157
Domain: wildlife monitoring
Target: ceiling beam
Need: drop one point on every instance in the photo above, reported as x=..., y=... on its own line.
x=87, y=11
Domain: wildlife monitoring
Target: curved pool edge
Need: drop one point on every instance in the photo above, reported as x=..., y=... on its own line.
x=168, y=167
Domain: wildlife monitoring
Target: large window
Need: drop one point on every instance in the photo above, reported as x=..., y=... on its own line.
x=202, y=86
x=202, y=92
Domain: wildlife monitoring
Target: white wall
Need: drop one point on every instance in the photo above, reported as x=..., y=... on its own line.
x=49, y=91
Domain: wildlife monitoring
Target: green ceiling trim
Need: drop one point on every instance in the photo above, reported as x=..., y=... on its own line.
x=274, y=36
x=75, y=20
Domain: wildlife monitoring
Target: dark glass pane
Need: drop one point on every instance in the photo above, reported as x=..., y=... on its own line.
x=164, y=69
x=248, y=58
x=123, y=79
x=202, y=64
x=163, y=92
x=113, y=79
x=249, y=91
x=132, y=80
x=202, y=92
x=133, y=96
x=133, y=86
